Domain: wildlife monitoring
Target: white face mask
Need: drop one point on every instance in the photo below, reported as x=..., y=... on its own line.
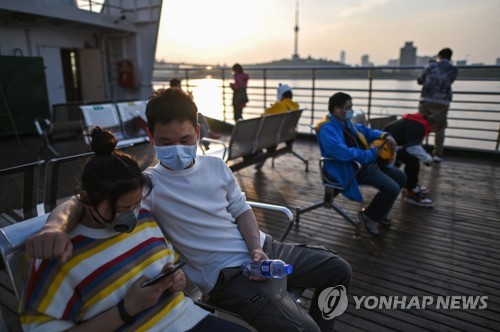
x=176, y=157
x=349, y=114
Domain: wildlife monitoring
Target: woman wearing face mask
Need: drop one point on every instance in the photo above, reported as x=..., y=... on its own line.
x=116, y=248
x=346, y=142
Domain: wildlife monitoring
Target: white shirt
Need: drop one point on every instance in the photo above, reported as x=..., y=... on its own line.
x=197, y=208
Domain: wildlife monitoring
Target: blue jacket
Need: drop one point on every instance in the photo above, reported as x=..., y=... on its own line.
x=333, y=145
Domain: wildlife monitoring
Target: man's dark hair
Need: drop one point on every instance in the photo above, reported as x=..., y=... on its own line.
x=175, y=83
x=445, y=53
x=338, y=99
x=167, y=105
x=287, y=94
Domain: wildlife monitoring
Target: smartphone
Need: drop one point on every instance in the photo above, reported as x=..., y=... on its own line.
x=174, y=268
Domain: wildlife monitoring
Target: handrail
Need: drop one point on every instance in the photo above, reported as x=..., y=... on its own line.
x=474, y=115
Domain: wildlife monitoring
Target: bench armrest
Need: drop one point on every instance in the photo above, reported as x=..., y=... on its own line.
x=214, y=141
x=284, y=210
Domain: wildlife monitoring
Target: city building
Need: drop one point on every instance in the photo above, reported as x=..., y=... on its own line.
x=408, y=55
x=342, y=57
x=365, y=61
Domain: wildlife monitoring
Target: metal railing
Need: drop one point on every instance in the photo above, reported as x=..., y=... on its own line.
x=473, y=118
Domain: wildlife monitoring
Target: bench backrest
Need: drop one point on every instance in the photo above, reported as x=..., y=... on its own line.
x=242, y=141
x=106, y=116
x=129, y=111
x=12, y=239
x=19, y=192
x=269, y=129
x=62, y=178
x=288, y=131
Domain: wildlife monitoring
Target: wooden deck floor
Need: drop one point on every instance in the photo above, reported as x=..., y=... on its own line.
x=450, y=250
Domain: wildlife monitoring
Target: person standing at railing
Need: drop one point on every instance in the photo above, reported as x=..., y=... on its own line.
x=437, y=78
x=239, y=87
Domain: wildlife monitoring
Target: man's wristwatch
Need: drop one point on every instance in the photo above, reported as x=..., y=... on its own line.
x=123, y=313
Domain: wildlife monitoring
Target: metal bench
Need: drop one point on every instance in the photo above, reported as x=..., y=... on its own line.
x=19, y=192
x=252, y=141
x=12, y=249
x=106, y=117
x=12, y=239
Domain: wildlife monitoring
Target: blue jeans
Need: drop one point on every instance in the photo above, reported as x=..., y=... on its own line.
x=388, y=181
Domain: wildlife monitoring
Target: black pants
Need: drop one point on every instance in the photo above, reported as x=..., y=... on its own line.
x=267, y=305
x=238, y=112
x=411, y=167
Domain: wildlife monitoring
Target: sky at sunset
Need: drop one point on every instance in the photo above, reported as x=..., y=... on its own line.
x=253, y=31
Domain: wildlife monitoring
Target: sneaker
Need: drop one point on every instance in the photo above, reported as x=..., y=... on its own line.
x=421, y=189
x=386, y=221
x=437, y=159
x=417, y=199
x=370, y=225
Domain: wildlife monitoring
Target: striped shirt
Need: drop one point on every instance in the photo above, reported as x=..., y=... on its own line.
x=98, y=275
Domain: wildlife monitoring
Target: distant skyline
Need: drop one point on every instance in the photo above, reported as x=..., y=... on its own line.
x=229, y=31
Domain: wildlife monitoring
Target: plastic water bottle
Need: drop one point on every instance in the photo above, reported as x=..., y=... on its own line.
x=267, y=268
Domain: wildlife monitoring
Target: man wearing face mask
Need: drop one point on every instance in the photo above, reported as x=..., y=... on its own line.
x=345, y=142
x=199, y=205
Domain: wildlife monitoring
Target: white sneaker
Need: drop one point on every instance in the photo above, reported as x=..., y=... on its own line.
x=421, y=190
x=418, y=199
x=437, y=159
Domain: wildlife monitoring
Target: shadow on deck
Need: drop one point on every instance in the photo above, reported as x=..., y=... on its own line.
x=450, y=251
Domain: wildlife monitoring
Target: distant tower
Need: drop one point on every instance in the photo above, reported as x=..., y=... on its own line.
x=296, y=44
x=342, y=57
x=408, y=55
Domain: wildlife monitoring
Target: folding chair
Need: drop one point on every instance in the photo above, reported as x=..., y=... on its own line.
x=332, y=189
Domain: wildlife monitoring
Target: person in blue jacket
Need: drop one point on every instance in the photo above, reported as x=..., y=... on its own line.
x=345, y=142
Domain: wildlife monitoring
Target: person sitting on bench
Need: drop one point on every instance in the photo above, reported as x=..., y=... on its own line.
x=284, y=101
x=200, y=206
x=117, y=246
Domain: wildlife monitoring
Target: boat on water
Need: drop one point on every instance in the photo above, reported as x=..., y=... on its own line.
x=447, y=255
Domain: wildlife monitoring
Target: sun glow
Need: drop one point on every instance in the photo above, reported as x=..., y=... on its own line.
x=206, y=94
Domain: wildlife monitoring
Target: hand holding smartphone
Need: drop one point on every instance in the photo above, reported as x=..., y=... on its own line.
x=174, y=268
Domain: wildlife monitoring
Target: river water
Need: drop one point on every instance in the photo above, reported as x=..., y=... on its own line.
x=473, y=119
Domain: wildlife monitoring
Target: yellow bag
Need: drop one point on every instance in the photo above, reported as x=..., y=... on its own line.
x=386, y=153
